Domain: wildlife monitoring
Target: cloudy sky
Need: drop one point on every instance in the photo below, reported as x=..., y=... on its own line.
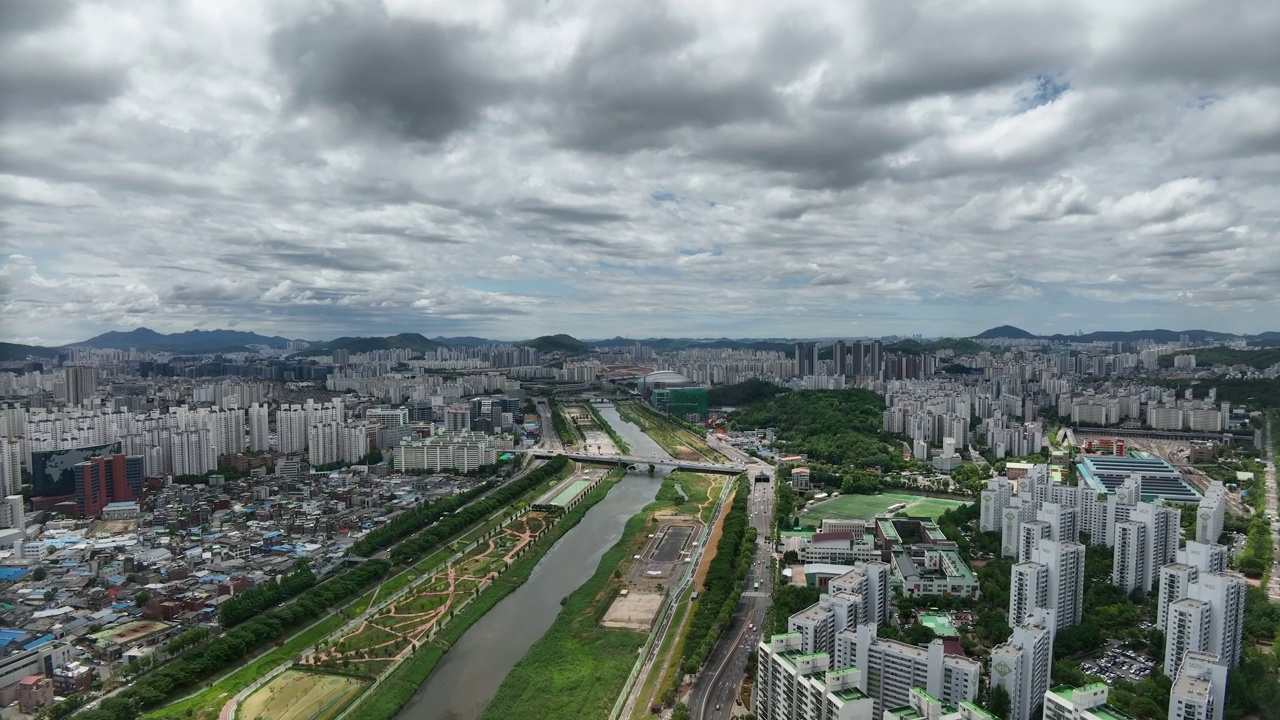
x=639, y=168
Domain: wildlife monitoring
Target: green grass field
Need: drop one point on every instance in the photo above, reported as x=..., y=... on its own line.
x=865, y=507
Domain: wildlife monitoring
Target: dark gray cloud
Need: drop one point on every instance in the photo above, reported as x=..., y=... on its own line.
x=635, y=81
x=419, y=79
x=577, y=216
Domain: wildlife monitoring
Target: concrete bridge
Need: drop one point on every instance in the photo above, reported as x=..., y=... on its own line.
x=629, y=460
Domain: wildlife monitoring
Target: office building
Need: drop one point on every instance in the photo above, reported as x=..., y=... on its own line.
x=890, y=669
x=104, y=480
x=1021, y=665
x=794, y=685
x=1083, y=703
x=1199, y=689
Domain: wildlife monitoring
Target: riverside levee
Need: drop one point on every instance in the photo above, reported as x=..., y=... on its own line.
x=470, y=673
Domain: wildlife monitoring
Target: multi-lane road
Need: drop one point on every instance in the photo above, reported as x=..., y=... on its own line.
x=715, y=691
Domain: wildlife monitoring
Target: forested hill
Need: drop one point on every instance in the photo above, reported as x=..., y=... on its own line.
x=743, y=393
x=839, y=427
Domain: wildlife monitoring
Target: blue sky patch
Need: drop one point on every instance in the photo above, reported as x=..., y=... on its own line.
x=663, y=196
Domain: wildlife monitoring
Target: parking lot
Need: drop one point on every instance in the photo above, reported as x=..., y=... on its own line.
x=1117, y=662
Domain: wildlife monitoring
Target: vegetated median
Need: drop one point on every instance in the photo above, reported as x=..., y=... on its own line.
x=568, y=435
x=722, y=587
x=622, y=445
x=396, y=691
x=197, y=664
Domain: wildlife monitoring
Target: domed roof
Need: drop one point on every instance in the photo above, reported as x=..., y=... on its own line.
x=668, y=378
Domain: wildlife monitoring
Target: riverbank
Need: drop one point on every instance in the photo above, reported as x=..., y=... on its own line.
x=403, y=681
x=578, y=667
x=676, y=440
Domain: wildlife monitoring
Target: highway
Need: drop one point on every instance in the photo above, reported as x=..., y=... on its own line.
x=715, y=690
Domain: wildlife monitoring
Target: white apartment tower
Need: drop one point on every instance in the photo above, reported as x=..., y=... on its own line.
x=993, y=502
x=794, y=685
x=1209, y=618
x=1022, y=665
x=10, y=466
x=1189, y=623
x=291, y=429
x=1211, y=514
x=890, y=669
x=1145, y=542
x=1206, y=557
x=259, y=428
x=860, y=596
x=1175, y=584
x=1200, y=688
x=1030, y=533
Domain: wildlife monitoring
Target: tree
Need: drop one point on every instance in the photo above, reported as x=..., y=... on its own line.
x=39, y=574
x=999, y=704
x=142, y=597
x=918, y=635
x=680, y=712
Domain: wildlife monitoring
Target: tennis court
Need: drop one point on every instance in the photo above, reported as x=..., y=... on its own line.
x=865, y=507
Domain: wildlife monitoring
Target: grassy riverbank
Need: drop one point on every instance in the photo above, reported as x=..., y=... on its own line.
x=578, y=668
x=396, y=691
x=676, y=440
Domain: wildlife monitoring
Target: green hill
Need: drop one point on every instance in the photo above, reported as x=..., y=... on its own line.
x=558, y=343
x=410, y=341
x=14, y=351
x=960, y=346
x=1260, y=359
x=743, y=393
x=838, y=427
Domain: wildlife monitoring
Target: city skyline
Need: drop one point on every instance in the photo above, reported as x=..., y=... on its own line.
x=719, y=170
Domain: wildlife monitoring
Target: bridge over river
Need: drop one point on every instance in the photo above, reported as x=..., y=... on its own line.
x=629, y=460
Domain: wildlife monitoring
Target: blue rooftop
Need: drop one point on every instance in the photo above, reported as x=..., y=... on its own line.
x=42, y=640
x=11, y=574
x=8, y=636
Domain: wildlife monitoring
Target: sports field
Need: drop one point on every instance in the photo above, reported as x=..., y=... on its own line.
x=300, y=696
x=865, y=507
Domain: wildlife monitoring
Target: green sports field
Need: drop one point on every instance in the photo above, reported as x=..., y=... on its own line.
x=865, y=507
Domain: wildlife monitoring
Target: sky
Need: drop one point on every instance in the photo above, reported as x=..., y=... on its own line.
x=638, y=168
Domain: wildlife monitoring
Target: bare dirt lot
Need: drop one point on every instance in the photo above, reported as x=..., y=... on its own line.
x=634, y=611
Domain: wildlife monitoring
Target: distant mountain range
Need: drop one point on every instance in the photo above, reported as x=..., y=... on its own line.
x=201, y=342
x=1009, y=332
x=409, y=341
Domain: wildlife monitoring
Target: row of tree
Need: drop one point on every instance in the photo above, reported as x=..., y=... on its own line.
x=413, y=548
x=249, y=603
x=426, y=514
x=214, y=657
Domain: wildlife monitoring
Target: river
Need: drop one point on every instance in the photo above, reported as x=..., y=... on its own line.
x=468, y=675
